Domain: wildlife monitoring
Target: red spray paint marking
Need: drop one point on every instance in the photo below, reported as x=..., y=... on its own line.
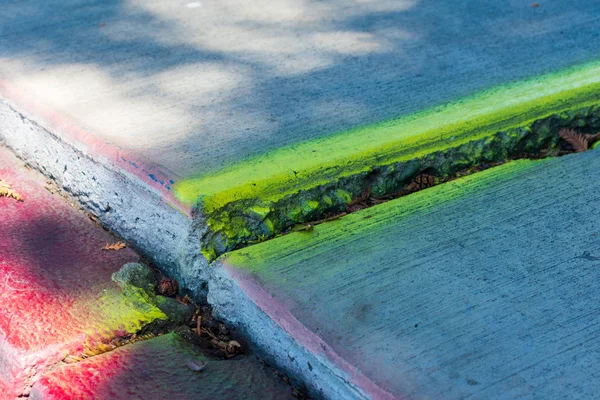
x=52, y=272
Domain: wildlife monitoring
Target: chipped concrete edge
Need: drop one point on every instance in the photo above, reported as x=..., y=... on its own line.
x=118, y=199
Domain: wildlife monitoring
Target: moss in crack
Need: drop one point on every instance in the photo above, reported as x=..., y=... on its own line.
x=257, y=198
x=247, y=221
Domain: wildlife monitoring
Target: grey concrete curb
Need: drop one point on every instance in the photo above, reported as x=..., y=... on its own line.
x=273, y=344
x=137, y=213
x=171, y=239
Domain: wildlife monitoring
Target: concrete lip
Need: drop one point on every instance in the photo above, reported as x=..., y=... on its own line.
x=477, y=287
x=120, y=116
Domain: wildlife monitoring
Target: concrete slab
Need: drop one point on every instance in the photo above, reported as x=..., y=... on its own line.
x=484, y=287
x=137, y=97
x=56, y=294
x=195, y=86
x=161, y=368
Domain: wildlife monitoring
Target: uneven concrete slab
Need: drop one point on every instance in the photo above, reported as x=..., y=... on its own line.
x=194, y=126
x=483, y=287
x=57, y=299
x=140, y=97
x=160, y=368
x=195, y=86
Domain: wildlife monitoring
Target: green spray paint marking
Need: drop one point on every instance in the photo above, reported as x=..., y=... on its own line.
x=293, y=248
x=260, y=197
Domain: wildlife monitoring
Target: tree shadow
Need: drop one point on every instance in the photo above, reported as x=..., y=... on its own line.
x=229, y=81
x=243, y=81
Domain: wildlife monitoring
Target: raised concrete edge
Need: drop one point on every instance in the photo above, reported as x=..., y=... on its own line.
x=121, y=201
x=278, y=337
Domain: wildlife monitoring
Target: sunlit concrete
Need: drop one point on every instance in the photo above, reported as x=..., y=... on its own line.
x=194, y=86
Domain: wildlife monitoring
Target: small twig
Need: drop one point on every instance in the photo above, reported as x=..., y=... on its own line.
x=198, y=324
x=114, y=246
x=7, y=191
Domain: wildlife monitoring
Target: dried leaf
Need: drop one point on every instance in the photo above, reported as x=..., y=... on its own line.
x=359, y=202
x=593, y=138
x=196, y=366
x=7, y=191
x=168, y=287
x=577, y=140
x=114, y=246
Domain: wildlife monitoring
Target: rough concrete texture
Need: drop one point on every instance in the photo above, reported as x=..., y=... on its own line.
x=194, y=86
x=160, y=368
x=484, y=287
x=264, y=206
x=118, y=100
x=116, y=197
x=162, y=92
x=57, y=297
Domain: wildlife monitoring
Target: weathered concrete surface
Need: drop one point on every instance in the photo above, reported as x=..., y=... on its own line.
x=118, y=100
x=484, y=287
x=160, y=368
x=134, y=96
x=116, y=197
x=62, y=297
x=56, y=295
x=193, y=86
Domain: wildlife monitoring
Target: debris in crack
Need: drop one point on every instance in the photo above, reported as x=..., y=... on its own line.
x=242, y=215
x=572, y=142
x=168, y=287
x=193, y=321
x=579, y=141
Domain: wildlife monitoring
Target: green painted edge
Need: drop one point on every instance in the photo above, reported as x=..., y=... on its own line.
x=277, y=174
x=292, y=248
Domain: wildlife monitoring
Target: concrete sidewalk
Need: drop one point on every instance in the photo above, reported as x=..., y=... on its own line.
x=485, y=287
x=191, y=87
x=59, y=305
x=120, y=101
x=195, y=128
x=166, y=367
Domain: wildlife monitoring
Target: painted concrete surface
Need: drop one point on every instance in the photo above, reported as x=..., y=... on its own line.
x=484, y=287
x=60, y=303
x=158, y=229
x=148, y=96
x=57, y=298
x=161, y=368
x=119, y=100
x=186, y=87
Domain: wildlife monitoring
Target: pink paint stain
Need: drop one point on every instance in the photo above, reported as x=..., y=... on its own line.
x=52, y=273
